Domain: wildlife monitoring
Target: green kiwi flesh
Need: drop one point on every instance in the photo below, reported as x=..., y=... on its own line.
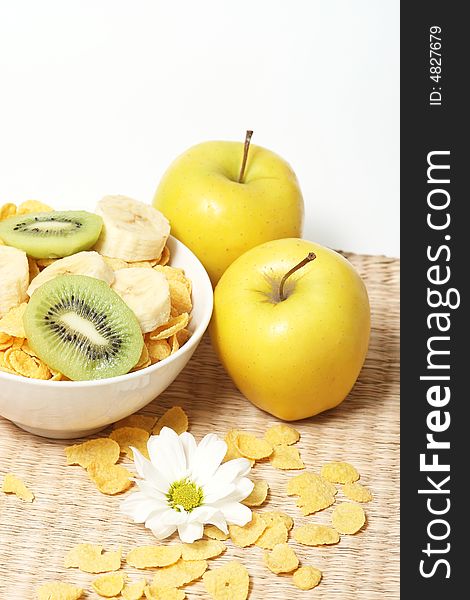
x=53, y=234
x=79, y=326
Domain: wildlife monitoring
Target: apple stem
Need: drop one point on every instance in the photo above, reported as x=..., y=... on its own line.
x=310, y=256
x=249, y=133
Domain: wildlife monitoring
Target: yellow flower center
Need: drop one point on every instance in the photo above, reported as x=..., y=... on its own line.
x=185, y=494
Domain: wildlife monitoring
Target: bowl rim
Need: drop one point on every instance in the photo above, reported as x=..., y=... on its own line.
x=193, y=341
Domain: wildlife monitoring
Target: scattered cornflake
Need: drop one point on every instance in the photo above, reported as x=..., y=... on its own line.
x=175, y=418
x=110, y=479
x=348, y=518
x=89, y=558
x=175, y=324
x=316, y=535
x=109, y=585
x=7, y=210
x=176, y=274
x=249, y=533
x=282, y=434
x=148, y=557
x=252, y=447
x=182, y=336
x=131, y=436
x=157, y=592
x=145, y=422
x=116, y=264
x=272, y=517
x=174, y=344
x=281, y=559
x=229, y=582
x=286, y=458
x=101, y=450
x=134, y=591
x=181, y=573
x=306, y=578
x=357, y=492
x=14, y=485
x=307, y=482
x=339, y=472
x=58, y=590
x=232, y=450
x=258, y=495
x=158, y=349
x=26, y=365
x=33, y=206
x=203, y=549
x=215, y=533
x=275, y=533
x=12, y=322
x=180, y=296
x=313, y=501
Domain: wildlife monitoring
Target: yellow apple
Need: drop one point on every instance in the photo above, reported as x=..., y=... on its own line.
x=298, y=351
x=220, y=210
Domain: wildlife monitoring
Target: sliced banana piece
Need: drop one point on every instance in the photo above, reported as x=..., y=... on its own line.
x=14, y=278
x=83, y=263
x=147, y=293
x=131, y=230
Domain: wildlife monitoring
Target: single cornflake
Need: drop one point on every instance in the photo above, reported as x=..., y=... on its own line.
x=249, y=533
x=213, y=532
x=58, y=590
x=131, y=436
x=148, y=557
x=357, y=492
x=109, y=585
x=175, y=418
x=275, y=533
x=145, y=422
x=232, y=450
x=90, y=559
x=229, y=582
x=348, y=518
x=282, y=434
x=316, y=535
x=286, y=458
x=156, y=592
x=271, y=517
x=339, y=472
x=202, y=549
x=252, y=447
x=258, y=494
x=315, y=493
x=134, y=591
x=306, y=578
x=101, y=450
x=181, y=573
x=110, y=479
x=14, y=485
x=281, y=559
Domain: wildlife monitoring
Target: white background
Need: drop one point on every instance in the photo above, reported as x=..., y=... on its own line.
x=98, y=96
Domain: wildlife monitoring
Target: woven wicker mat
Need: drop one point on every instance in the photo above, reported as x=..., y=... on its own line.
x=364, y=430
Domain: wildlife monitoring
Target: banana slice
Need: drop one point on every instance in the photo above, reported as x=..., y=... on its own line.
x=147, y=294
x=132, y=230
x=83, y=263
x=14, y=278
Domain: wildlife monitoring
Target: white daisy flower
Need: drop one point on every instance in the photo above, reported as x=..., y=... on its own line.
x=184, y=485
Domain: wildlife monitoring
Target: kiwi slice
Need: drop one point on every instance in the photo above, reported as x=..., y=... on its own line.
x=79, y=326
x=52, y=234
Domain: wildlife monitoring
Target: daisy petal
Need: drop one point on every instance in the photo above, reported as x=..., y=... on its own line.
x=138, y=507
x=213, y=492
x=236, y=513
x=207, y=458
x=219, y=521
x=167, y=454
x=189, y=446
x=190, y=532
x=147, y=471
x=161, y=531
x=173, y=517
x=202, y=514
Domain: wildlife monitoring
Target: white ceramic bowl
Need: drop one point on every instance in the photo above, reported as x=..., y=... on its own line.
x=69, y=409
